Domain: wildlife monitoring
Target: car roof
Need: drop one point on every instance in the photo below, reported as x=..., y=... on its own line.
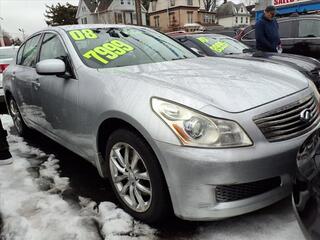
x=299, y=17
x=82, y=26
x=214, y=35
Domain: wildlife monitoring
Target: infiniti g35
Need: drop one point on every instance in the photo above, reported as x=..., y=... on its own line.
x=208, y=138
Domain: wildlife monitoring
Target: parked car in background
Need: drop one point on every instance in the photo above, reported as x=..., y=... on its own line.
x=209, y=137
x=306, y=190
x=7, y=55
x=299, y=35
x=216, y=45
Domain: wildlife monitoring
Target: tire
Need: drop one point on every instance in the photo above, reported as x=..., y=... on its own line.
x=22, y=129
x=156, y=205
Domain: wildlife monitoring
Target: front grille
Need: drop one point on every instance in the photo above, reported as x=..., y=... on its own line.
x=286, y=123
x=229, y=193
x=315, y=76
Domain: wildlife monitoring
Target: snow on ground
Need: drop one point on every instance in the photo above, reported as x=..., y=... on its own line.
x=32, y=208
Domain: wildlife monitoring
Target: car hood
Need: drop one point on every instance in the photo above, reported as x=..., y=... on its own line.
x=233, y=85
x=301, y=63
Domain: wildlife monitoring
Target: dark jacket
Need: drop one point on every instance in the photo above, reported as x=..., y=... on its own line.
x=267, y=35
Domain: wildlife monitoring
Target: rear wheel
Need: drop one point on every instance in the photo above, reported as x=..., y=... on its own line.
x=136, y=177
x=18, y=122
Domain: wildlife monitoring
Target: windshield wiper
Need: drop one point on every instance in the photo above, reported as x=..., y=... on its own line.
x=111, y=31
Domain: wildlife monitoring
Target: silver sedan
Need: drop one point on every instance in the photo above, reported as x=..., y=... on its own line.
x=208, y=138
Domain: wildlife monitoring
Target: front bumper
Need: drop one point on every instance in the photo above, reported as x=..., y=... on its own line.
x=193, y=174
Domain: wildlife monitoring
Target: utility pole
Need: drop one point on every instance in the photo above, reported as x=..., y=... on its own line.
x=22, y=31
x=1, y=35
x=138, y=12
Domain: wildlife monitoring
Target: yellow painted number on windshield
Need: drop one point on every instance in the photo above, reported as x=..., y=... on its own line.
x=83, y=34
x=110, y=50
x=114, y=49
x=219, y=46
x=203, y=39
x=122, y=45
x=95, y=55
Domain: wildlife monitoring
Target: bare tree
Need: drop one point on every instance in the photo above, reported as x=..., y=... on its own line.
x=210, y=5
x=249, y=2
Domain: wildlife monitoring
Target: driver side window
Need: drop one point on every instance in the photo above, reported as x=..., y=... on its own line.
x=52, y=48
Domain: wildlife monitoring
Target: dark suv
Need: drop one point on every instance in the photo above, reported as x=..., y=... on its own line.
x=299, y=35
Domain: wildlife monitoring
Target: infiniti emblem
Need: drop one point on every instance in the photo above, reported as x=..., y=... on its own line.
x=306, y=115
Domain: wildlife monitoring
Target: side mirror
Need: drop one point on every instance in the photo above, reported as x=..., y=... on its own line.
x=248, y=50
x=51, y=67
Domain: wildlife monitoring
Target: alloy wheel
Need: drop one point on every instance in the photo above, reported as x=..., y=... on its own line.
x=130, y=177
x=15, y=114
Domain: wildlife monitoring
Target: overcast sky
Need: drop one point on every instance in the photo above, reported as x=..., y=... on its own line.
x=27, y=14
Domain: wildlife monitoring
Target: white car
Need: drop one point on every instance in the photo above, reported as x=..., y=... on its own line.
x=7, y=56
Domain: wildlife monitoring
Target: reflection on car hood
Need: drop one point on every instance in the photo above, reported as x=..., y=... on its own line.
x=301, y=63
x=233, y=85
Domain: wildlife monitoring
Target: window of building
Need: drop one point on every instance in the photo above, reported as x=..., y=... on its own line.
x=121, y=2
x=189, y=2
x=84, y=20
x=157, y=21
x=83, y=9
x=236, y=19
x=120, y=18
x=154, y=5
x=247, y=19
x=241, y=10
x=129, y=2
x=207, y=18
x=171, y=18
x=190, y=17
x=172, y=2
x=309, y=28
x=241, y=20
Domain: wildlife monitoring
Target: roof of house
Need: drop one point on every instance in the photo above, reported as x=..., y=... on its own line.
x=228, y=9
x=97, y=5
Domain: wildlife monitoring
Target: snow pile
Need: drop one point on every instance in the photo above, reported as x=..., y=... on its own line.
x=32, y=207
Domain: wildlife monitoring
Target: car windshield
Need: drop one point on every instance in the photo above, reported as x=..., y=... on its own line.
x=222, y=45
x=124, y=46
x=7, y=53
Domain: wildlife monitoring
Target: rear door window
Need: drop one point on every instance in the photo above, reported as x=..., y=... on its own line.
x=29, y=55
x=309, y=28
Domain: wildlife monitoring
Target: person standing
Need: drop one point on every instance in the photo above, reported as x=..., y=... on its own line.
x=267, y=32
x=5, y=155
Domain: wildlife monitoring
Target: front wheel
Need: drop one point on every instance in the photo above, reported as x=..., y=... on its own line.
x=136, y=177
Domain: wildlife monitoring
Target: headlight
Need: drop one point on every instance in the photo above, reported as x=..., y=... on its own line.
x=198, y=130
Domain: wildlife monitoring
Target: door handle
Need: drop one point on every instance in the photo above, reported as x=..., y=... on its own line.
x=13, y=75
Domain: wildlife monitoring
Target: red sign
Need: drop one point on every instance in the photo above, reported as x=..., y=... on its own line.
x=286, y=2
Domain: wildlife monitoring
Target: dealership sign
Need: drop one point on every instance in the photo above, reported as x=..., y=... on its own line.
x=287, y=2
